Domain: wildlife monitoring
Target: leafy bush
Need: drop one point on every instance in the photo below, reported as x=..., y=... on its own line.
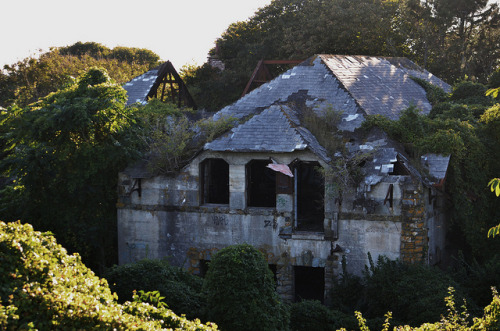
x=412, y=292
x=470, y=92
x=182, y=291
x=240, y=291
x=455, y=319
x=435, y=94
x=172, y=137
x=313, y=315
x=494, y=79
x=44, y=288
x=64, y=153
x=477, y=279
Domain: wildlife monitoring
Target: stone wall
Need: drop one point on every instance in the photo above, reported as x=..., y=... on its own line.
x=167, y=220
x=414, y=241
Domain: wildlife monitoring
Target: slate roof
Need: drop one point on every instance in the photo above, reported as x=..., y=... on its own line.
x=354, y=85
x=275, y=129
x=139, y=87
x=437, y=166
x=382, y=86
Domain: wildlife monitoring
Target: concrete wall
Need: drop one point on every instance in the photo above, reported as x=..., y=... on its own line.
x=167, y=221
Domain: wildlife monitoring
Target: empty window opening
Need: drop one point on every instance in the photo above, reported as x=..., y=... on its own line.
x=310, y=197
x=261, y=184
x=399, y=168
x=214, y=181
x=309, y=283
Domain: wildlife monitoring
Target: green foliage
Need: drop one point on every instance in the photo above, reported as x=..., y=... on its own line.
x=435, y=94
x=33, y=78
x=472, y=144
x=171, y=138
x=314, y=316
x=240, y=291
x=181, y=290
x=63, y=155
x=470, y=92
x=153, y=298
x=451, y=41
x=44, y=288
x=413, y=293
x=494, y=79
x=453, y=320
x=476, y=279
x=212, y=88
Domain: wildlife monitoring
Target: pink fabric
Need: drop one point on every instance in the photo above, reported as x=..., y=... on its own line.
x=283, y=168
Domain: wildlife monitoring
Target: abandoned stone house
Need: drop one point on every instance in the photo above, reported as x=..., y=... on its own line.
x=260, y=183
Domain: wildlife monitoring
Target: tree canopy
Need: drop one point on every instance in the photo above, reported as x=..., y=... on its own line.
x=450, y=39
x=35, y=77
x=63, y=154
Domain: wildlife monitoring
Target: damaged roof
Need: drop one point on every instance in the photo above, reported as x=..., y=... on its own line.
x=146, y=86
x=355, y=86
x=275, y=129
x=139, y=87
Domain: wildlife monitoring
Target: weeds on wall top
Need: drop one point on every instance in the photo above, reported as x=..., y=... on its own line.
x=172, y=136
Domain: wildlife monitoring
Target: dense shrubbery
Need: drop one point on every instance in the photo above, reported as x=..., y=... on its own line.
x=464, y=125
x=182, y=291
x=314, y=316
x=172, y=135
x=240, y=291
x=413, y=293
x=44, y=288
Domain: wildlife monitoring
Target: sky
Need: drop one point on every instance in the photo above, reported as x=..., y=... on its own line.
x=181, y=31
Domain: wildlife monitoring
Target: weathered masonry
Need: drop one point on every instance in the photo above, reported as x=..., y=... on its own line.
x=264, y=182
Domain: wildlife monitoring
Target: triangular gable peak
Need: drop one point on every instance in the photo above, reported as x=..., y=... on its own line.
x=276, y=129
x=162, y=82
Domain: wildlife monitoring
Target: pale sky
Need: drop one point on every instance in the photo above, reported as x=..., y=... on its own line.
x=182, y=31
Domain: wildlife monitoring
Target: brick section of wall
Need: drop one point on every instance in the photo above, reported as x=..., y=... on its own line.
x=413, y=233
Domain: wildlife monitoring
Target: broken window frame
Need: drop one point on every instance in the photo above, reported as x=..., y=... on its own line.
x=315, y=221
x=214, y=181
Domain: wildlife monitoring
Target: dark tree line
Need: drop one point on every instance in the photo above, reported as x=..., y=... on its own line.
x=452, y=39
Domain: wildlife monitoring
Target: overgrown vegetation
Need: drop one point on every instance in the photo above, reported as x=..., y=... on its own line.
x=451, y=40
x=44, y=288
x=240, y=291
x=33, y=78
x=182, y=291
x=344, y=172
x=464, y=125
x=172, y=137
x=62, y=156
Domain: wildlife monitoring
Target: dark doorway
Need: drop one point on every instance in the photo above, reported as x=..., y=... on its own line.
x=214, y=181
x=204, y=264
x=309, y=283
x=261, y=184
x=310, y=197
x=274, y=270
